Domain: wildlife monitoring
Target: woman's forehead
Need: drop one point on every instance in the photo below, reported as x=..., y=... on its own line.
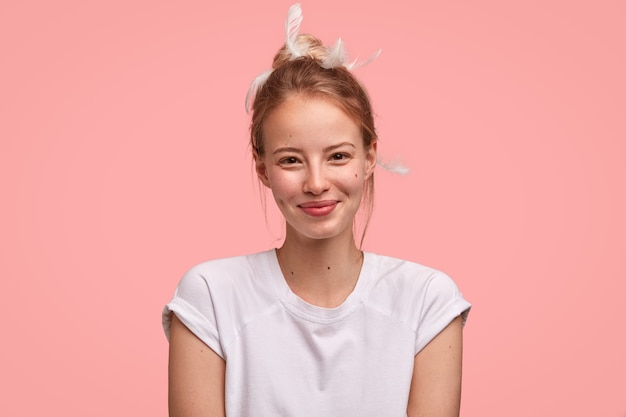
x=310, y=119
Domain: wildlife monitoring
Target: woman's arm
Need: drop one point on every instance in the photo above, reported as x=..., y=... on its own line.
x=436, y=384
x=196, y=375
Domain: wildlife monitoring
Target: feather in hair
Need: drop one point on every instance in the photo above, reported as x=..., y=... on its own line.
x=356, y=64
x=254, y=87
x=292, y=28
x=336, y=56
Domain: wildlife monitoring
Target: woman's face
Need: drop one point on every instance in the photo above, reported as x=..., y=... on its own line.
x=316, y=165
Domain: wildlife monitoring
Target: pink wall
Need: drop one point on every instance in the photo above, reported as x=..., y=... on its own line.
x=123, y=162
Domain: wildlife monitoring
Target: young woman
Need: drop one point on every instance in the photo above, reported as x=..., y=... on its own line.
x=316, y=327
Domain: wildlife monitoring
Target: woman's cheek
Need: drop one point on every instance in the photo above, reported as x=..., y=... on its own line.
x=286, y=182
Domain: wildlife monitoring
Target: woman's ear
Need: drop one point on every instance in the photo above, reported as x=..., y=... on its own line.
x=261, y=169
x=370, y=158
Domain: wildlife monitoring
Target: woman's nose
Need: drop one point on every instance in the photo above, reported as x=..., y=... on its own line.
x=316, y=181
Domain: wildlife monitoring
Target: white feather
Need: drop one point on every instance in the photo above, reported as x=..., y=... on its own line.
x=292, y=28
x=336, y=56
x=394, y=167
x=356, y=64
x=256, y=84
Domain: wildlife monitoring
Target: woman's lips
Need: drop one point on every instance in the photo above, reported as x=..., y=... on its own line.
x=318, y=208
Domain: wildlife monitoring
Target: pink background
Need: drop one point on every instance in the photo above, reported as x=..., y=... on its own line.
x=124, y=161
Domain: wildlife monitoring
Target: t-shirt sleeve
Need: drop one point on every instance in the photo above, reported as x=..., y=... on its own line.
x=192, y=303
x=442, y=302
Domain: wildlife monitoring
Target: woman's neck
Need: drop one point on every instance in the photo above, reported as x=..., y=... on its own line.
x=321, y=272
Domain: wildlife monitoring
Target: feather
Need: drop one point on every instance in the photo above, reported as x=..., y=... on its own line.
x=356, y=64
x=336, y=56
x=393, y=167
x=256, y=84
x=292, y=28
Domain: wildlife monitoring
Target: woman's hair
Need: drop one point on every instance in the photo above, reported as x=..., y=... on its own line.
x=306, y=75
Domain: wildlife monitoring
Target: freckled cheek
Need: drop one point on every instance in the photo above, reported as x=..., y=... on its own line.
x=285, y=186
x=353, y=181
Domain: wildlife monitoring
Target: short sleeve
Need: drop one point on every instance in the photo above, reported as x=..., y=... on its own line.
x=192, y=303
x=442, y=302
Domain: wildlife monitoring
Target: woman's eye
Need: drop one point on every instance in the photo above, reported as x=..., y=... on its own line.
x=288, y=161
x=339, y=156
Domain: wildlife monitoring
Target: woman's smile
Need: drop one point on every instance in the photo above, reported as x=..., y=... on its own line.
x=316, y=164
x=318, y=208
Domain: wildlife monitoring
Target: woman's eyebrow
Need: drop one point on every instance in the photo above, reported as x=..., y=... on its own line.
x=327, y=149
x=285, y=149
x=339, y=145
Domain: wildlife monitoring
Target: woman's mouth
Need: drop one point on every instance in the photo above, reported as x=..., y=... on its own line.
x=318, y=208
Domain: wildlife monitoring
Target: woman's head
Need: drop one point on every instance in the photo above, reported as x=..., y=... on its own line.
x=304, y=67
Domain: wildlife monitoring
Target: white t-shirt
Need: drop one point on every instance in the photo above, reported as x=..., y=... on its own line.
x=285, y=357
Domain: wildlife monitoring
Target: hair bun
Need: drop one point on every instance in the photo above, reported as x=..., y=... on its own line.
x=304, y=42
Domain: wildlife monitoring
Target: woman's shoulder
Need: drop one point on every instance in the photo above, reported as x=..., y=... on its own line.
x=403, y=270
x=217, y=297
x=236, y=286
x=226, y=269
x=404, y=288
x=226, y=277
